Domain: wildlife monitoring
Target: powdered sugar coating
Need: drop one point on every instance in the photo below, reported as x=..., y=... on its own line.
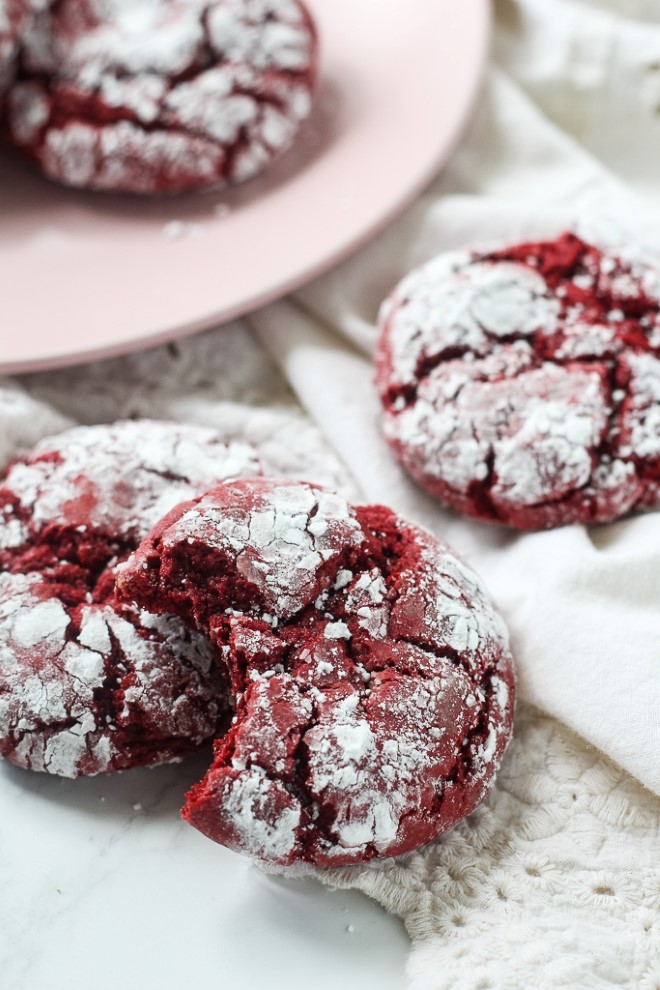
x=287, y=536
x=519, y=385
x=88, y=685
x=95, y=688
x=154, y=96
x=116, y=480
x=374, y=693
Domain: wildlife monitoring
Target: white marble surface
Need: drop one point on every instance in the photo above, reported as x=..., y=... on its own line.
x=104, y=885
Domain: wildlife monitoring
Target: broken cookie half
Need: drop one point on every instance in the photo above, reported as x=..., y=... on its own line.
x=88, y=684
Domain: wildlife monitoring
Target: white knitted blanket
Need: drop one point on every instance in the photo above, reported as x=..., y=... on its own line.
x=554, y=881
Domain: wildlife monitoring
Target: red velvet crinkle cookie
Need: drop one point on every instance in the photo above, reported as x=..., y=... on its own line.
x=162, y=96
x=88, y=684
x=522, y=385
x=371, y=673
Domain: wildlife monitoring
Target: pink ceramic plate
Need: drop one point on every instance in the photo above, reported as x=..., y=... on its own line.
x=85, y=275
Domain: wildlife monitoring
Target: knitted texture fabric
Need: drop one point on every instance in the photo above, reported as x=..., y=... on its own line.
x=553, y=882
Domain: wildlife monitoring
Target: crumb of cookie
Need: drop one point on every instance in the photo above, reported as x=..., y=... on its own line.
x=163, y=96
x=88, y=684
x=521, y=385
x=371, y=675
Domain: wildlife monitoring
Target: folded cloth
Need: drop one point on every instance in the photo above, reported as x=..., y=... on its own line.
x=593, y=68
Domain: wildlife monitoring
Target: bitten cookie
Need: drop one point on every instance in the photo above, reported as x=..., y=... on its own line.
x=521, y=385
x=88, y=684
x=163, y=96
x=371, y=674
